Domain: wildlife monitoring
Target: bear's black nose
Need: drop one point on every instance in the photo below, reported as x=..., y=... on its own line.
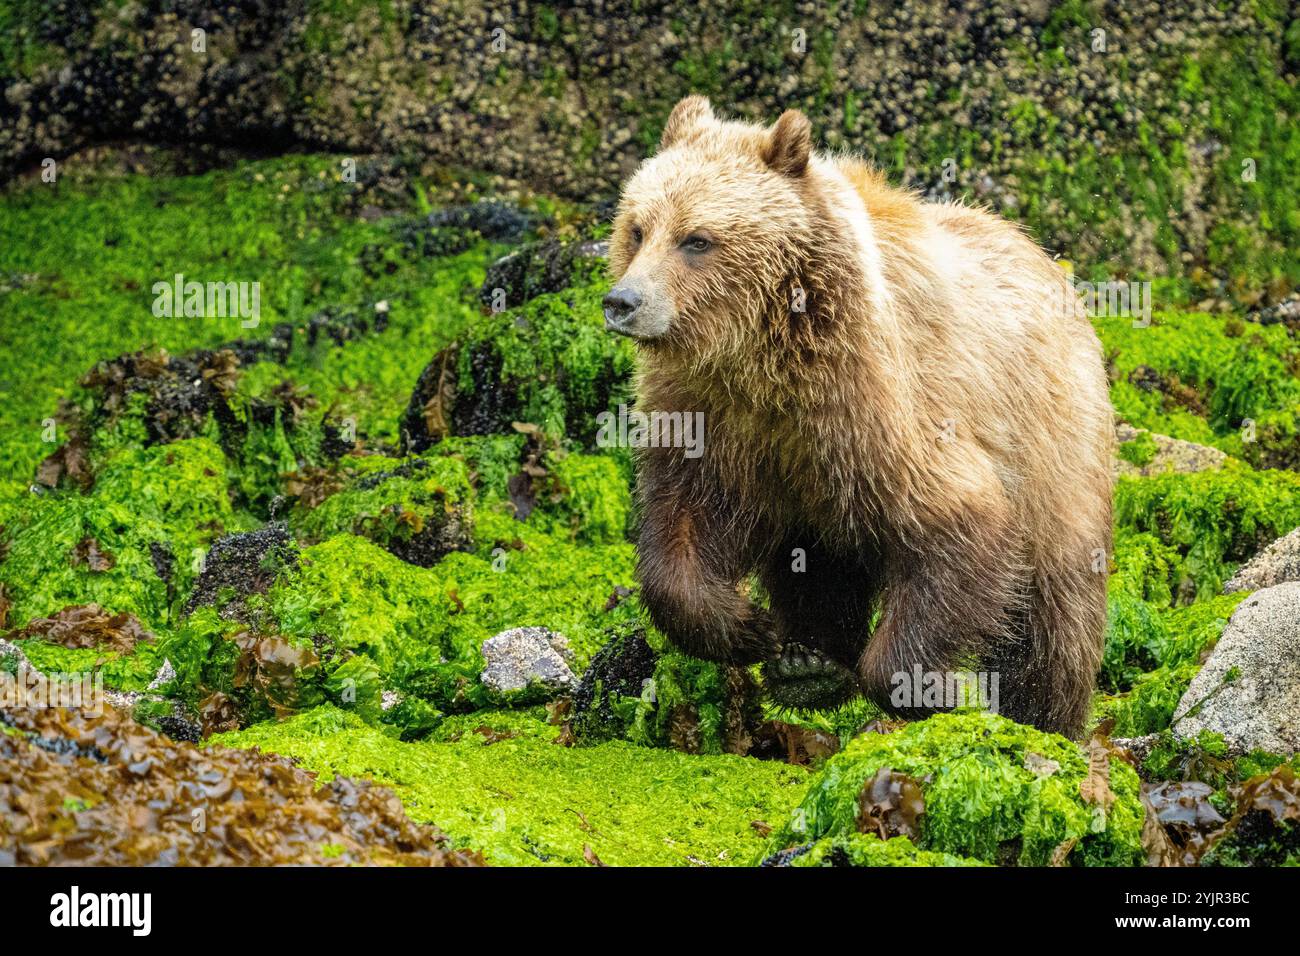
x=620, y=304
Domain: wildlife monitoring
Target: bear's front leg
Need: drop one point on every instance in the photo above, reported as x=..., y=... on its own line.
x=822, y=601
x=694, y=551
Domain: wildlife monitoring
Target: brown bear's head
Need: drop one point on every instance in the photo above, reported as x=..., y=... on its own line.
x=710, y=232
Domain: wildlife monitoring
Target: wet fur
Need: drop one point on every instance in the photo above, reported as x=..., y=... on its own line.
x=825, y=429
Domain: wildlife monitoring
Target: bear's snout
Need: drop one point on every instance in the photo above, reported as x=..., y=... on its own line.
x=621, y=304
x=639, y=309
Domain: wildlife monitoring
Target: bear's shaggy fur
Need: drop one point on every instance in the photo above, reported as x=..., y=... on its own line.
x=906, y=415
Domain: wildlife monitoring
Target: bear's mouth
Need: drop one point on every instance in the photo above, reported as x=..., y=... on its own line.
x=638, y=331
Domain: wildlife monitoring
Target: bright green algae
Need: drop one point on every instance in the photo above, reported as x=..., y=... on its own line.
x=174, y=496
x=392, y=509
x=867, y=849
x=1178, y=539
x=526, y=801
x=981, y=799
x=1152, y=655
x=1213, y=519
x=105, y=240
x=425, y=626
x=1211, y=379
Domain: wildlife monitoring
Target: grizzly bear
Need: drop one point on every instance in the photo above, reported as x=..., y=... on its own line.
x=908, y=434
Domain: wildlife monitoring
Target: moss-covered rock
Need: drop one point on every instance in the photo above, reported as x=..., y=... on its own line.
x=1213, y=380
x=641, y=689
x=1140, y=450
x=990, y=789
x=422, y=629
x=549, y=363
x=1155, y=662
x=132, y=544
x=418, y=509
x=1213, y=519
x=266, y=425
x=586, y=498
x=285, y=222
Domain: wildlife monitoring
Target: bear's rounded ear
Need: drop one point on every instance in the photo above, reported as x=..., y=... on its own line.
x=687, y=117
x=789, y=144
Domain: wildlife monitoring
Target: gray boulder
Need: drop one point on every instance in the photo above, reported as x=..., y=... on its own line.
x=527, y=657
x=1276, y=564
x=1249, y=689
x=1172, y=454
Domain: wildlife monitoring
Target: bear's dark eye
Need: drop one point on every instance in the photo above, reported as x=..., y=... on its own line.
x=697, y=244
x=636, y=235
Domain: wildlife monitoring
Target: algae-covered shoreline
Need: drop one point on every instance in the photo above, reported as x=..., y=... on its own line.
x=349, y=556
x=322, y=590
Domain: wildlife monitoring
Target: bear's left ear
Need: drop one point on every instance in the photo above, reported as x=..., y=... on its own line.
x=789, y=143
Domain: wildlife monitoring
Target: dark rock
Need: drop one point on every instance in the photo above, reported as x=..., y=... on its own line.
x=1287, y=312
x=438, y=539
x=437, y=408
x=240, y=565
x=538, y=268
x=784, y=857
x=619, y=669
x=491, y=219
x=341, y=325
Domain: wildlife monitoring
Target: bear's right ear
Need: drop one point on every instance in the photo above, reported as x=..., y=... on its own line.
x=687, y=117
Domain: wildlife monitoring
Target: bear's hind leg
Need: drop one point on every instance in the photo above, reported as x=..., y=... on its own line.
x=946, y=603
x=1047, y=679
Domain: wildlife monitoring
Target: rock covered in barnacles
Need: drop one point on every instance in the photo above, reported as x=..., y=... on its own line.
x=241, y=565
x=527, y=659
x=538, y=268
x=1249, y=688
x=1276, y=564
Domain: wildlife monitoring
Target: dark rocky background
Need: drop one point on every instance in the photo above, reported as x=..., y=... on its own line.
x=1131, y=155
